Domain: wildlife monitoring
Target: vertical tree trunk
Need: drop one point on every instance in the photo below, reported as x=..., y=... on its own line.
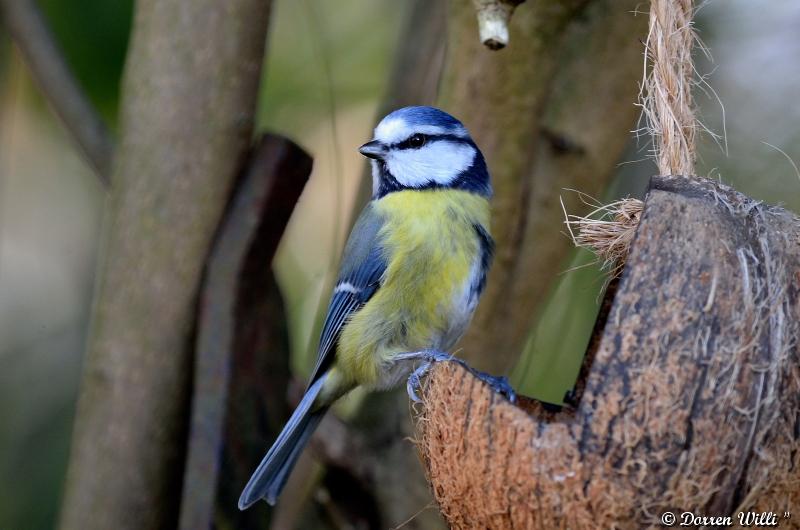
x=187, y=111
x=551, y=111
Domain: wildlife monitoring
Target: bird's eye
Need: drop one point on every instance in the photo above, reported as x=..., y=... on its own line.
x=417, y=140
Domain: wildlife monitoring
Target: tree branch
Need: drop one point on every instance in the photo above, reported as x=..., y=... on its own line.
x=242, y=345
x=337, y=444
x=28, y=28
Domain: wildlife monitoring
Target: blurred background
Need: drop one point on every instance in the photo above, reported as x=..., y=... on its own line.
x=326, y=72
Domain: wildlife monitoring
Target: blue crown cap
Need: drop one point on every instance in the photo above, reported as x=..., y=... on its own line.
x=425, y=116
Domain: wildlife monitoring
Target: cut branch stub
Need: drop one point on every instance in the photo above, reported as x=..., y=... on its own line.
x=493, y=19
x=690, y=403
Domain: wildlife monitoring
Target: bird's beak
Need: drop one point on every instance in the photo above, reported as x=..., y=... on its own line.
x=374, y=149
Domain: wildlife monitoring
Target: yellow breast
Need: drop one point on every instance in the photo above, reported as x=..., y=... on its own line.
x=432, y=248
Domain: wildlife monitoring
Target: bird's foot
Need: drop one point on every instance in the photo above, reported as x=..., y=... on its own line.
x=498, y=384
x=427, y=358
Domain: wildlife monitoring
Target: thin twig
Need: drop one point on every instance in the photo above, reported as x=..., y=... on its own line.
x=781, y=151
x=28, y=28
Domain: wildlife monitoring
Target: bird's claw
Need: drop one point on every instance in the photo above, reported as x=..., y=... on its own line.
x=415, y=381
x=498, y=384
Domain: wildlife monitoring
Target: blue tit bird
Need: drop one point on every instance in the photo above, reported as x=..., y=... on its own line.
x=411, y=274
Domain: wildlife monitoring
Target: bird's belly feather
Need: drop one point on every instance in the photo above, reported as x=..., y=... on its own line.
x=428, y=293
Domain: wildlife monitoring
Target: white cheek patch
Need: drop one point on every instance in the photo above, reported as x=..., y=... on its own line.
x=376, y=177
x=440, y=162
x=394, y=130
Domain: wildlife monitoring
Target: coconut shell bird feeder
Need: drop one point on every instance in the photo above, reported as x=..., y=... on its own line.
x=689, y=396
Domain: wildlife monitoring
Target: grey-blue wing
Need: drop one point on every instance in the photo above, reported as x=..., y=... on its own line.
x=360, y=275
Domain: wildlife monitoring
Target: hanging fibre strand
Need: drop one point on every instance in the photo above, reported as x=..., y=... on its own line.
x=666, y=100
x=666, y=95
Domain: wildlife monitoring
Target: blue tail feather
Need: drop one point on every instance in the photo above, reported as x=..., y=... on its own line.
x=270, y=477
x=279, y=480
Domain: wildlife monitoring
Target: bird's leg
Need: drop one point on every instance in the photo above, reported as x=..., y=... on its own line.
x=499, y=384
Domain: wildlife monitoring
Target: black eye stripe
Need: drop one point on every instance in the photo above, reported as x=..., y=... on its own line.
x=415, y=141
x=430, y=138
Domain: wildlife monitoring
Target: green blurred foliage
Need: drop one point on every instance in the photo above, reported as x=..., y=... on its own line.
x=553, y=354
x=93, y=35
x=323, y=57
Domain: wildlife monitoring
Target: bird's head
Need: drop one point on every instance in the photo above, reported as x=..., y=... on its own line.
x=423, y=148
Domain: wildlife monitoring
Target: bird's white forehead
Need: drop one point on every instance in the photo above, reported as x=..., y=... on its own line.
x=392, y=130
